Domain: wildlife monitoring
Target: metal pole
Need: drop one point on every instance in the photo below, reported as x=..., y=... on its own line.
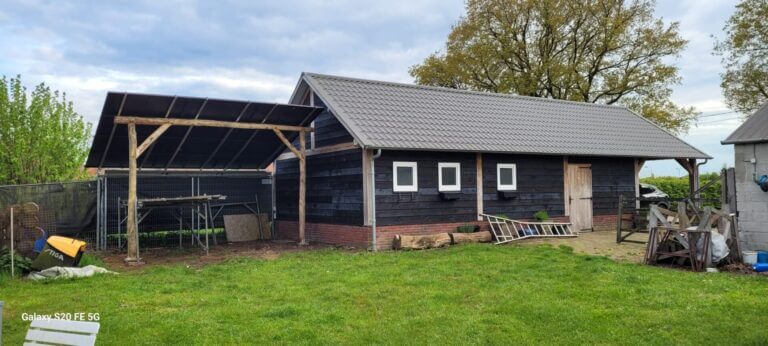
x=98, y=212
x=119, y=226
x=206, y=225
x=1, y=322
x=136, y=216
x=181, y=216
x=13, y=265
x=106, y=220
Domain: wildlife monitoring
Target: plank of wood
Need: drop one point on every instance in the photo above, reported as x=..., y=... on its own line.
x=479, y=184
x=207, y=123
x=67, y=325
x=38, y=336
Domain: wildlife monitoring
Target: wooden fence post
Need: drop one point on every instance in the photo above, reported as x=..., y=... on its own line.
x=132, y=228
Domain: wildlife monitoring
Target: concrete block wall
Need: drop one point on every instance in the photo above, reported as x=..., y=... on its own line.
x=751, y=201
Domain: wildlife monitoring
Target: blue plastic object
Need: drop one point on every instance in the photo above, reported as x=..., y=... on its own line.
x=760, y=267
x=762, y=257
x=763, y=183
x=40, y=242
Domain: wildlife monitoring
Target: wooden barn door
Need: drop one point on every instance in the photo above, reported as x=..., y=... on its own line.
x=580, y=191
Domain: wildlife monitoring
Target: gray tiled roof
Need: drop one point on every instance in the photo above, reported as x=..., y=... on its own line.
x=754, y=130
x=405, y=116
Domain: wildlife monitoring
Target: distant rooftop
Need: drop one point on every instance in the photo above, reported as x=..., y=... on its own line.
x=754, y=130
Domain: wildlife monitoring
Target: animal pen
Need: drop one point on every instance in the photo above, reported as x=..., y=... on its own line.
x=169, y=213
x=140, y=133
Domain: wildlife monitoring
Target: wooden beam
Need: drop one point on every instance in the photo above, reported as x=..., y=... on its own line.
x=685, y=164
x=207, y=123
x=366, y=185
x=566, y=188
x=321, y=150
x=302, y=186
x=693, y=182
x=132, y=229
x=151, y=139
x=288, y=144
x=479, y=185
x=638, y=166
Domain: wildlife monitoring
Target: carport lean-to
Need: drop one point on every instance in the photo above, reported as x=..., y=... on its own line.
x=196, y=133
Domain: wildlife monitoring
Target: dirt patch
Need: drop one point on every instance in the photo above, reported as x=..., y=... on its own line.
x=599, y=243
x=195, y=257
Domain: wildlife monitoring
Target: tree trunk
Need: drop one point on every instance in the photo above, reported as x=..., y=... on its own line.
x=418, y=242
x=476, y=237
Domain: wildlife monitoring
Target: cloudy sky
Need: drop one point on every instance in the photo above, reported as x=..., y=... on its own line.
x=256, y=49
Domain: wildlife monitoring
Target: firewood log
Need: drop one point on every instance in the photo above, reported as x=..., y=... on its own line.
x=418, y=242
x=476, y=237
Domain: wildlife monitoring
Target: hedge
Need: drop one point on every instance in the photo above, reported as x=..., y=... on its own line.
x=677, y=187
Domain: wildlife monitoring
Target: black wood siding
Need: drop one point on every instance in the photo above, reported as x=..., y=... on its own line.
x=334, y=188
x=424, y=206
x=610, y=178
x=539, y=186
x=328, y=129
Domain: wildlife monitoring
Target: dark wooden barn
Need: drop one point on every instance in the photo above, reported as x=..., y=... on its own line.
x=388, y=158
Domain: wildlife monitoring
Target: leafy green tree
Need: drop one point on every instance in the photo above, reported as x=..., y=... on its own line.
x=745, y=57
x=42, y=138
x=601, y=51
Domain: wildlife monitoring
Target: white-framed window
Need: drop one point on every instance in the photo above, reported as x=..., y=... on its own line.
x=449, y=176
x=506, y=177
x=405, y=177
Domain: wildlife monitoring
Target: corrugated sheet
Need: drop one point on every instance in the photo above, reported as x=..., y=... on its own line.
x=194, y=147
x=404, y=116
x=754, y=130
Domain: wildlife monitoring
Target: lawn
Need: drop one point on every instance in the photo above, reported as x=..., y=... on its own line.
x=464, y=294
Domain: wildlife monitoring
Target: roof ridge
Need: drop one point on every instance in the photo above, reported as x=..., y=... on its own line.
x=462, y=91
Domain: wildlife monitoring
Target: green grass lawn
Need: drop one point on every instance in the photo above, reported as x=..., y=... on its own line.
x=464, y=294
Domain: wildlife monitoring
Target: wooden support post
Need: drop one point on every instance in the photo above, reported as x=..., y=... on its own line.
x=479, y=185
x=638, y=166
x=566, y=188
x=132, y=232
x=302, y=187
x=693, y=181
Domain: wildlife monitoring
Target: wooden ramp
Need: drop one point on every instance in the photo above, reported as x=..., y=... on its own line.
x=506, y=230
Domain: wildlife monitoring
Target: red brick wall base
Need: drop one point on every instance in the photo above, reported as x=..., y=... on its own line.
x=604, y=222
x=361, y=236
x=357, y=236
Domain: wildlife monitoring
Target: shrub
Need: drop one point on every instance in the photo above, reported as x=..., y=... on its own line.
x=468, y=228
x=21, y=263
x=541, y=215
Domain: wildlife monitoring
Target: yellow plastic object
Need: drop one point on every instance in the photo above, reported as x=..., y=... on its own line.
x=68, y=246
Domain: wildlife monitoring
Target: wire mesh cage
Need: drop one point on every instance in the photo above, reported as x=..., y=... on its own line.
x=180, y=225
x=66, y=209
